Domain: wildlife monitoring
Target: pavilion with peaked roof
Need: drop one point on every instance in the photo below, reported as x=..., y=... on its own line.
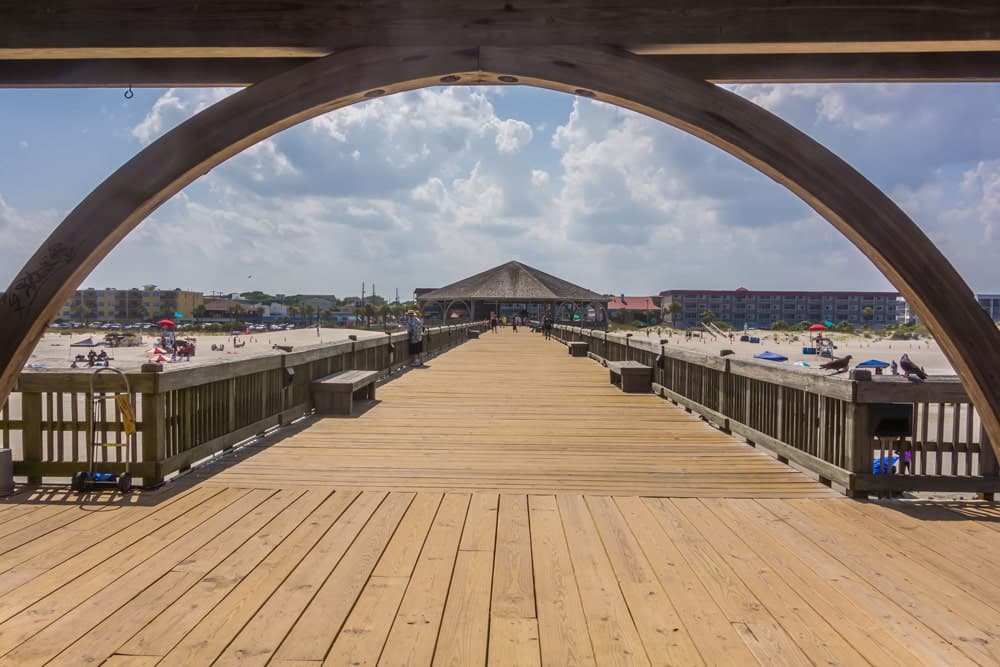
x=514, y=289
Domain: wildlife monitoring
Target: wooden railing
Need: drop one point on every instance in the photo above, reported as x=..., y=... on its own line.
x=822, y=423
x=183, y=414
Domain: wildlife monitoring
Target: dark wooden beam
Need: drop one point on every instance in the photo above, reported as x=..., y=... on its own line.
x=142, y=73
x=132, y=28
x=193, y=72
x=832, y=68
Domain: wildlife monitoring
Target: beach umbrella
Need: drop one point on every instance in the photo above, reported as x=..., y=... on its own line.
x=818, y=327
x=166, y=323
x=828, y=323
x=873, y=363
x=770, y=356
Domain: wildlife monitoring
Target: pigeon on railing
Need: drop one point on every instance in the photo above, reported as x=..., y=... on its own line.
x=910, y=367
x=838, y=365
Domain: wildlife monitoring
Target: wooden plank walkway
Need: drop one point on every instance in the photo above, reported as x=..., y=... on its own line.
x=257, y=566
x=515, y=413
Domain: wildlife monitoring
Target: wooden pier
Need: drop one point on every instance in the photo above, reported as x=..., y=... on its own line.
x=505, y=506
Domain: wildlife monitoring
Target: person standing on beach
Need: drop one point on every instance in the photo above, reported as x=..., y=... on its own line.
x=415, y=334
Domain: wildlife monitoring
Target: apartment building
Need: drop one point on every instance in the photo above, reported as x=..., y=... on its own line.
x=759, y=309
x=131, y=305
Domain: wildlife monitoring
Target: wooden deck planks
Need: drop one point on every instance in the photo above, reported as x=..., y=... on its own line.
x=577, y=570
x=508, y=413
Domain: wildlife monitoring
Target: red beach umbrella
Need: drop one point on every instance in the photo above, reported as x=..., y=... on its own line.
x=818, y=327
x=166, y=323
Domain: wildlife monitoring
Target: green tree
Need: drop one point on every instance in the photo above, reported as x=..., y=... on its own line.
x=802, y=326
x=257, y=297
x=706, y=316
x=780, y=325
x=369, y=311
x=844, y=327
x=868, y=312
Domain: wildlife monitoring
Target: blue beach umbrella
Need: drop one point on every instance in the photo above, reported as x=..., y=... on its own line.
x=770, y=356
x=873, y=363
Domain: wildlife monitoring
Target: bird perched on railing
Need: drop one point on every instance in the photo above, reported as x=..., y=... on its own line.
x=910, y=367
x=838, y=365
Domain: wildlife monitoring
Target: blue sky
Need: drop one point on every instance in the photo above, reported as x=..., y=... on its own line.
x=424, y=188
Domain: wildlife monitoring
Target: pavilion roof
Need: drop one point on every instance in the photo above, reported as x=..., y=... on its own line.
x=513, y=281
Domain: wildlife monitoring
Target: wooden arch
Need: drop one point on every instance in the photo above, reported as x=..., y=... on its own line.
x=840, y=194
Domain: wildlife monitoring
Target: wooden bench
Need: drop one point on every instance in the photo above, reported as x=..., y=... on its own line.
x=631, y=376
x=335, y=394
x=577, y=348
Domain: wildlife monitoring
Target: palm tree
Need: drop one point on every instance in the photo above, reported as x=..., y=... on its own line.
x=674, y=308
x=706, y=316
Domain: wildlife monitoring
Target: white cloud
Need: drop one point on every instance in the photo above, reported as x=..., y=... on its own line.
x=423, y=188
x=175, y=106
x=512, y=134
x=21, y=232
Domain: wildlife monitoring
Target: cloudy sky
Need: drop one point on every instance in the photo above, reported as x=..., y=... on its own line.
x=424, y=188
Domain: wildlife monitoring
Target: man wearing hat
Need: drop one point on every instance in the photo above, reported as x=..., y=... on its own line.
x=415, y=333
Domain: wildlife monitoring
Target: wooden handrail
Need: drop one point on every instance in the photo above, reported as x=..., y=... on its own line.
x=821, y=422
x=187, y=413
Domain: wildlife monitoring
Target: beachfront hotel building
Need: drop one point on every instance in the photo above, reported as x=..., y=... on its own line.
x=758, y=309
x=131, y=305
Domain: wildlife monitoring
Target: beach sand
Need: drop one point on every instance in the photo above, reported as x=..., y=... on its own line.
x=922, y=352
x=54, y=351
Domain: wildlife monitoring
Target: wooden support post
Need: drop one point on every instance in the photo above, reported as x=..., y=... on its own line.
x=823, y=428
x=154, y=412
x=988, y=466
x=779, y=427
x=231, y=404
x=31, y=435
x=858, y=441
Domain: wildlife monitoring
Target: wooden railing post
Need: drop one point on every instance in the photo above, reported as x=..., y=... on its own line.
x=723, y=400
x=231, y=404
x=988, y=466
x=31, y=435
x=779, y=428
x=858, y=441
x=154, y=414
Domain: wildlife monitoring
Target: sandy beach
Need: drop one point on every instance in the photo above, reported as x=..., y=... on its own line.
x=923, y=352
x=54, y=351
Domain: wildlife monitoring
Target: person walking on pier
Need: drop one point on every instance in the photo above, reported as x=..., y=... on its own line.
x=547, y=325
x=415, y=334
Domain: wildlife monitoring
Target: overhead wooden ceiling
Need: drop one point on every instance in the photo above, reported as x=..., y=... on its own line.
x=238, y=42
